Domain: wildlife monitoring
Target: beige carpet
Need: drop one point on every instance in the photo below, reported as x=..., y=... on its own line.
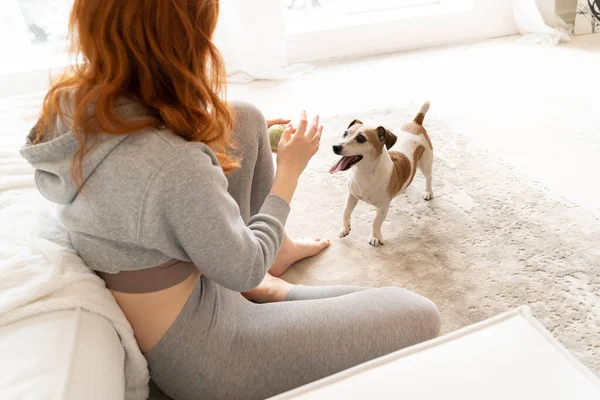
x=491, y=240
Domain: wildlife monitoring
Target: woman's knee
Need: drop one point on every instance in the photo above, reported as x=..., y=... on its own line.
x=250, y=122
x=416, y=314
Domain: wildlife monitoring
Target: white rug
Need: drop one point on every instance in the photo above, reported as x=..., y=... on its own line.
x=491, y=240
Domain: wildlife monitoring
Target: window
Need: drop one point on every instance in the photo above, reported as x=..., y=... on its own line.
x=46, y=20
x=33, y=43
x=322, y=29
x=312, y=8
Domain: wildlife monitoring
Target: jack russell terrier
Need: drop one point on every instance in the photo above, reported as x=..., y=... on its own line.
x=378, y=175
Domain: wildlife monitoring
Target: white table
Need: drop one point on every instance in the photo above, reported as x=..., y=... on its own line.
x=510, y=356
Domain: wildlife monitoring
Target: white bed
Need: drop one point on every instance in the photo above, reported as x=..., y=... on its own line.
x=62, y=335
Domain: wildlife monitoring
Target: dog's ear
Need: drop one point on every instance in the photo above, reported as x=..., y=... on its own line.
x=356, y=121
x=386, y=137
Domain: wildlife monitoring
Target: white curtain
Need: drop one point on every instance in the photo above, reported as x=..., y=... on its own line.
x=251, y=37
x=538, y=22
x=14, y=33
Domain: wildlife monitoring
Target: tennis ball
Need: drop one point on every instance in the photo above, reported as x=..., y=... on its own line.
x=275, y=132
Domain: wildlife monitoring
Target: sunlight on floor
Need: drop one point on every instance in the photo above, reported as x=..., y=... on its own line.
x=532, y=106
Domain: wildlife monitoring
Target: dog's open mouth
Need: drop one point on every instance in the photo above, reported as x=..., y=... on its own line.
x=344, y=164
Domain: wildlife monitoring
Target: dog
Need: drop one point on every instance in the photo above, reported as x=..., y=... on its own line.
x=378, y=175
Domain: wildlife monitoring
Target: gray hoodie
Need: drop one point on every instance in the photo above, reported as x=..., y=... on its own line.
x=152, y=197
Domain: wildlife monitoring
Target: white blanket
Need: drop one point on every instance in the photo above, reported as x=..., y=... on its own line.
x=39, y=269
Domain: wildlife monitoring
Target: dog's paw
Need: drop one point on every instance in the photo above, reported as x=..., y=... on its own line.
x=428, y=196
x=373, y=241
x=344, y=232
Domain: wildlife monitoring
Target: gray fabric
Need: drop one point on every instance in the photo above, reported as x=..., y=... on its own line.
x=224, y=347
x=151, y=197
x=301, y=292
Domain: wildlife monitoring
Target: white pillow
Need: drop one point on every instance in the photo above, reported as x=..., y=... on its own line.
x=70, y=354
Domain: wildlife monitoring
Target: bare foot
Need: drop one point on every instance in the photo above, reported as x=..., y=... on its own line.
x=295, y=250
x=270, y=290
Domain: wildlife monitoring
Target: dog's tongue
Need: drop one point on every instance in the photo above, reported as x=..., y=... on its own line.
x=340, y=165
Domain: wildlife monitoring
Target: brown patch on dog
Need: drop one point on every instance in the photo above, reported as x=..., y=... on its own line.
x=388, y=137
x=402, y=170
x=420, y=118
x=416, y=129
x=416, y=158
x=373, y=140
x=400, y=174
x=354, y=122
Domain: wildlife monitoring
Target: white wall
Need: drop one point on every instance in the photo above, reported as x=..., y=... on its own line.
x=566, y=9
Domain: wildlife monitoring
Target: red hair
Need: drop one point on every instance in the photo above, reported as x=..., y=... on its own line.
x=158, y=52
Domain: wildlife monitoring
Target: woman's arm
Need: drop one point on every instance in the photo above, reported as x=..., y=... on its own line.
x=188, y=214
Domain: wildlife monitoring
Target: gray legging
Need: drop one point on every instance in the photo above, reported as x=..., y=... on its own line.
x=222, y=346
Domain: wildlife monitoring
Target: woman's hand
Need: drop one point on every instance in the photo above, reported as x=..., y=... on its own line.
x=298, y=145
x=276, y=121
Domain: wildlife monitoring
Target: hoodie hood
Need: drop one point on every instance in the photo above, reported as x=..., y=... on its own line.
x=52, y=157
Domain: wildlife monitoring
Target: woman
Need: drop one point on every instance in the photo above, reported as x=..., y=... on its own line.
x=179, y=216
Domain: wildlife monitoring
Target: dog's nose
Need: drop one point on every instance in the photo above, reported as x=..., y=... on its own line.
x=337, y=149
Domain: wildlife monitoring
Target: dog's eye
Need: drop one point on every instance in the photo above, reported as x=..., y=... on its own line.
x=361, y=139
x=345, y=134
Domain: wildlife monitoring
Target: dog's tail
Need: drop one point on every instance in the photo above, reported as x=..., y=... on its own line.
x=421, y=115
